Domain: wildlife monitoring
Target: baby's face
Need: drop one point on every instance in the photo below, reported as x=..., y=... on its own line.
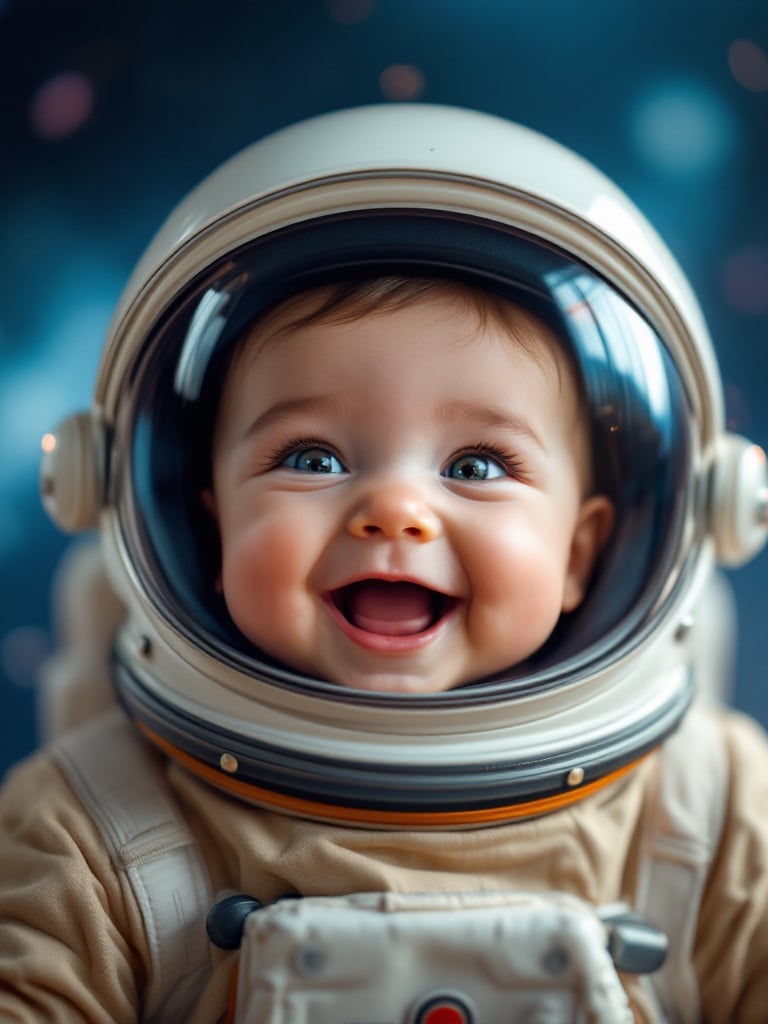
x=401, y=498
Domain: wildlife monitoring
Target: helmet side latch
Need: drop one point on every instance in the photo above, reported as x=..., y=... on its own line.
x=739, y=512
x=71, y=473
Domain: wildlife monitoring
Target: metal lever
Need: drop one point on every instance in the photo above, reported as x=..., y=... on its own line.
x=635, y=946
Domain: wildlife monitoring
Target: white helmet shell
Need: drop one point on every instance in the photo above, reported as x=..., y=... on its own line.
x=433, y=190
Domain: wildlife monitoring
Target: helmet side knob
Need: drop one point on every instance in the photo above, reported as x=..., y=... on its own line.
x=739, y=500
x=71, y=482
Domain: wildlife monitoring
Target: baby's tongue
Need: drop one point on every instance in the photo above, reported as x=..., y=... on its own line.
x=393, y=609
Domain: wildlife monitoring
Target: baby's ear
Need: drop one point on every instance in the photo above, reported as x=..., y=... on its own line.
x=593, y=528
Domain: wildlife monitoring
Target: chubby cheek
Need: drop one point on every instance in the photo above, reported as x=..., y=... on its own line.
x=517, y=577
x=265, y=566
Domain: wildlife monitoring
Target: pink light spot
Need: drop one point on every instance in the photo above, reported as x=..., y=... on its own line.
x=745, y=280
x=402, y=82
x=749, y=65
x=61, y=105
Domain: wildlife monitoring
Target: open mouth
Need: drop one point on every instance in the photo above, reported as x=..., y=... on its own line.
x=391, y=608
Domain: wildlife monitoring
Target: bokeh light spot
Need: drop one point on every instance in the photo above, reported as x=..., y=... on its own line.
x=683, y=129
x=22, y=652
x=61, y=105
x=402, y=82
x=349, y=12
x=745, y=280
x=749, y=65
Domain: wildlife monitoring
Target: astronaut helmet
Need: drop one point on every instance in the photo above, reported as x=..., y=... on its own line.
x=415, y=191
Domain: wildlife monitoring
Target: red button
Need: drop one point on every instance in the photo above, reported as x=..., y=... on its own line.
x=444, y=1012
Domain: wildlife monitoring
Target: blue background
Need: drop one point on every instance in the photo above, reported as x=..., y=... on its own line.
x=110, y=112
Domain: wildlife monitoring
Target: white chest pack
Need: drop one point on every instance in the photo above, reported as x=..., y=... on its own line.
x=419, y=959
x=444, y=958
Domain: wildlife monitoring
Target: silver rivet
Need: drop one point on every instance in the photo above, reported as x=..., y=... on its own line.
x=143, y=646
x=229, y=763
x=575, y=777
x=684, y=627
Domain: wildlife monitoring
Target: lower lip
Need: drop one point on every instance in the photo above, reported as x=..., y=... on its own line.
x=383, y=643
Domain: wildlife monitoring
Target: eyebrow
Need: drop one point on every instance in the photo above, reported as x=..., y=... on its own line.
x=307, y=404
x=487, y=416
x=448, y=412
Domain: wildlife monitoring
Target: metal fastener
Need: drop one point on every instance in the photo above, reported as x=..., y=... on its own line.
x=229, y=763
x=684, y=628
x=575, y=777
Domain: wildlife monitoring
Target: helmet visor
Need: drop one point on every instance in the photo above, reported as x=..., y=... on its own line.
x=639, y=420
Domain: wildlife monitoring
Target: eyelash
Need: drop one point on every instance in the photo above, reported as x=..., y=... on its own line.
x=281, y=453
x=512, y=465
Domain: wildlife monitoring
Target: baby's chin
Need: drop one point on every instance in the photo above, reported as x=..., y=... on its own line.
x=391, y=681
x=415, y=685
x=399, y=684
x=402, y=679
x=387, y=679
x=375, y=679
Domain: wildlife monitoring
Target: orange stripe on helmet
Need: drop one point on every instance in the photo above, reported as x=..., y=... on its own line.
x=368, y=816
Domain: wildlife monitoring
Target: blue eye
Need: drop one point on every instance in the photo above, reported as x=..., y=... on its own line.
x=314, y=460
x=473, y=466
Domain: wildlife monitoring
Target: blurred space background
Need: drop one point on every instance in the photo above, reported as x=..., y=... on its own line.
x=110, y=112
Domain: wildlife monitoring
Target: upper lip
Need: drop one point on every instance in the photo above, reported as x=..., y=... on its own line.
x=393, y=578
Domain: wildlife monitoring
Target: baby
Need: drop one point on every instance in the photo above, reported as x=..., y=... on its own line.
x=402, y=484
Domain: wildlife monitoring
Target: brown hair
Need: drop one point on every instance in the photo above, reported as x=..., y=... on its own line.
x=354, y=299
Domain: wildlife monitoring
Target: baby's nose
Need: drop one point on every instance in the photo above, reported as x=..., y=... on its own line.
x=394, y=513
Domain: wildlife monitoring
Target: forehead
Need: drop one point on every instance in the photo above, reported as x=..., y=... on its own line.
x=421, y=355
